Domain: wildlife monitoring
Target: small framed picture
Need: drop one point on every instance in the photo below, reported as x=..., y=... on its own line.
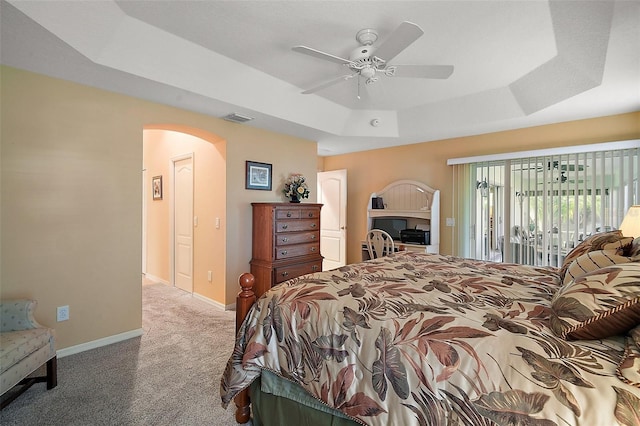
x=156, y=187
x=258, y=176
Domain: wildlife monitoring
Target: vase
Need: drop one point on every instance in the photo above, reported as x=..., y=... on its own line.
x=294, y=199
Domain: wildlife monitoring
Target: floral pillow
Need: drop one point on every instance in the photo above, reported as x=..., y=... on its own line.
x=622, y=246
x=591, y=243
x=591, y=261
x=634, y=250
x=629, y=369
x=599, y=304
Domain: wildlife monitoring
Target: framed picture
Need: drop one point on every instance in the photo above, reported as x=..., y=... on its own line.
x=258, y=176
x=156, y=187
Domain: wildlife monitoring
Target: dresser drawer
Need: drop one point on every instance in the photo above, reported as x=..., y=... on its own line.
x=287, y=214
x=287, y=272
x=287, y=238
x=297, y=225
x=310, y=214
x=286, y=252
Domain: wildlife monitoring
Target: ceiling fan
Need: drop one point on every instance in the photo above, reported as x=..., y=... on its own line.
x=368, y=61
x=562, y=179
x=556, y=165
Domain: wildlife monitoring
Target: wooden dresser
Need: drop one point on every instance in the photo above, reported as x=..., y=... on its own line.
x=286, y=242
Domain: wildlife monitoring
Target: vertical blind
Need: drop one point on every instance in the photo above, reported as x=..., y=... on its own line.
x=535, y=209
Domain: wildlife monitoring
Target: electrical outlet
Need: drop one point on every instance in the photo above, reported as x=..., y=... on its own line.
x=210, y=276
x=450, y=221
x=63, y=313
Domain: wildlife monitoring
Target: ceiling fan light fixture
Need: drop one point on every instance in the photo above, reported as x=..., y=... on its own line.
x=367, y=36
x=368, y=72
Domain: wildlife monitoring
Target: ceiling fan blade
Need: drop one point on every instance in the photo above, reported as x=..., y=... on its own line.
x=424, y=71
x=400, y=39
x=322, y=55
x=329, y=83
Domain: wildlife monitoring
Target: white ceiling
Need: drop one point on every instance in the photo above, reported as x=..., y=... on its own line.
x=517, y=63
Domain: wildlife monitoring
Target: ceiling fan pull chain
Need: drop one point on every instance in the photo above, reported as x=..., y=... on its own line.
x=358, y=87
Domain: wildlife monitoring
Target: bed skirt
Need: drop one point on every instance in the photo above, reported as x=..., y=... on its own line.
x=279, y=402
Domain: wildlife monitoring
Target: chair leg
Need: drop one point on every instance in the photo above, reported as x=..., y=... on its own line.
x=52, y=373
x=51, y=378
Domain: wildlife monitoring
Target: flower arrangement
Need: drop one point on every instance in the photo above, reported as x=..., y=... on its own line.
x=295, y=187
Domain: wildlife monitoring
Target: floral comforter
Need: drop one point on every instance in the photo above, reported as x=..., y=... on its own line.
x=416, y=339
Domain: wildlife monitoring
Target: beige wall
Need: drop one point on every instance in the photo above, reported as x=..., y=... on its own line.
x=371, y=171
x=71, y=213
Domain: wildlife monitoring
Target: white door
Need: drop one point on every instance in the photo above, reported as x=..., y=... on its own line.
x=332, y=193
x=183, y=223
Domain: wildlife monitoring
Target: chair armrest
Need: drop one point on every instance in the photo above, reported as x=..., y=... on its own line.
x=16, y=315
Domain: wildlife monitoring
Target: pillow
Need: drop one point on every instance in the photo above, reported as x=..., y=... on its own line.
x=591, y=261
x=622, y=246
x=634, y=250
x=591, y=243
x=599, y=304
x=629, y=368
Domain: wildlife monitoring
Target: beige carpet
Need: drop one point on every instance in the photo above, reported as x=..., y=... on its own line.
x=168, y=376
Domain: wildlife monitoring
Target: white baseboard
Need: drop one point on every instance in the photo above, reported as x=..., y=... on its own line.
x=99, y=343
x=231, y=307
x=156, y=279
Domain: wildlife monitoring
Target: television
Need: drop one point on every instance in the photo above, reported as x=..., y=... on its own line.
x=392, y=226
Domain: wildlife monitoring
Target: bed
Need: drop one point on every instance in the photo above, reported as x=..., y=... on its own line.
x=428, y=339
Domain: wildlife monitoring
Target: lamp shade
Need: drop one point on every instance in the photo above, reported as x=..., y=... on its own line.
x=630, y=226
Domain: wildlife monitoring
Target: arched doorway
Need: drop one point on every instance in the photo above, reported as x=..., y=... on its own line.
x=163, y=147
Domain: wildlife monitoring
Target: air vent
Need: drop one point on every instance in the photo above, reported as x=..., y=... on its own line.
x=237, y=118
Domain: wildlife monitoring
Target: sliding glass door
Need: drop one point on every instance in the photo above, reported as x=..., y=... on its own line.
x=534, y=210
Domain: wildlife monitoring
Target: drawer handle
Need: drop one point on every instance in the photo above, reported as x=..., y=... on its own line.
x=285, y=273
x=313, y=249
x=285, y=226
x=288, y=214
x=314, y=267
x=285, y=239
x=284, y=252
x=313, y=225
x=310, y=214
x=313, y=237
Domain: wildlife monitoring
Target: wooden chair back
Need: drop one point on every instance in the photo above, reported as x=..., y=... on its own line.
x=379, y=243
